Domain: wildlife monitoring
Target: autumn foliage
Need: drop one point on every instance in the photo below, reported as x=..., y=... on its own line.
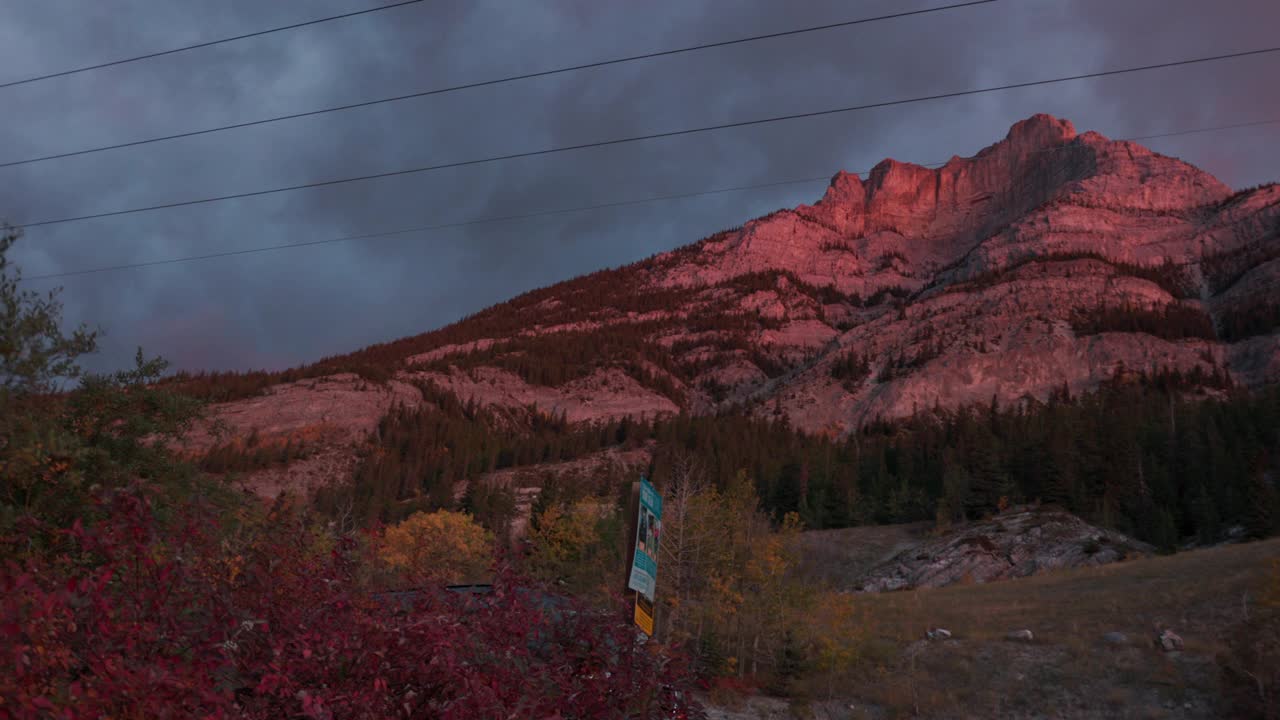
x=440, y=547
x=130, y=621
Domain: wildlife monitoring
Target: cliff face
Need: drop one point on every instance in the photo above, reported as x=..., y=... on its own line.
x=1050, y=258
x=1042, y=189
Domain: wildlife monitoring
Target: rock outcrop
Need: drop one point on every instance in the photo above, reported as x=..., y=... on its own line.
x=1017, y=543
x=324, y=421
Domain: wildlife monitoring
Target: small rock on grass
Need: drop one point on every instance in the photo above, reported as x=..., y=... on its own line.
x=1168, y=641
x=938, y=634
x=1020, y=636
x=1115, y=638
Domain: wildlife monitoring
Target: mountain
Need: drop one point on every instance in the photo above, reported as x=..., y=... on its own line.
x=1051, y=259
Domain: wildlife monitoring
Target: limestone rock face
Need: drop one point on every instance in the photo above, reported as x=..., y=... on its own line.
x=324, y=421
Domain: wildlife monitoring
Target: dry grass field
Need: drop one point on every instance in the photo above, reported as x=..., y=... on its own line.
x=834, y=556
x=1069, y=670
x=1197, y=593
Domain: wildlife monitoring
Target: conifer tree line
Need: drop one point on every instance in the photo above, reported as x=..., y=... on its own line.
x=420, y=456
x=1258, y=317
x=1171, y=322
x=1172, y=278
x=1139, y=455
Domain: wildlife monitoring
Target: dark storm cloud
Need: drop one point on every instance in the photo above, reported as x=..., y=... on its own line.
x=281, y=308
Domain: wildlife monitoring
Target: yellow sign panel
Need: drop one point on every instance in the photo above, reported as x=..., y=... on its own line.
x=644, y=614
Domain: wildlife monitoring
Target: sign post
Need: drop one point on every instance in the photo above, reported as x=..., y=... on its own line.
x=643, y=572
x=644, y=614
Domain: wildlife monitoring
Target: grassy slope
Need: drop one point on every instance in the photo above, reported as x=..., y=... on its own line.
x=1068, y=669
x=1197, y=593
x=834, y=557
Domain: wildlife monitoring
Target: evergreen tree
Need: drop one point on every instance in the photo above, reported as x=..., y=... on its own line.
x=1263, y=518
x=955, y=502
x=989, y=483
x=1060, y=483
x=492, y=505
x=65, y=435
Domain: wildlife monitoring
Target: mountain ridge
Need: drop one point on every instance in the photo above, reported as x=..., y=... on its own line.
x=1106, y=219
x=1050, y=259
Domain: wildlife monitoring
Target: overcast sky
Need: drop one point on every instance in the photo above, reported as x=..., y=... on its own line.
x=273, y=310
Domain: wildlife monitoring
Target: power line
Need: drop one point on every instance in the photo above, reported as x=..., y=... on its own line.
x=651, y=136
x=565, y=211
x=425, y=228
x=1215, y=128
x=484, y=83
x=209, y=43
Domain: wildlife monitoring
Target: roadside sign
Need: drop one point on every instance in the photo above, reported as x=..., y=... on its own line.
x=644, y=614
x=644, y=566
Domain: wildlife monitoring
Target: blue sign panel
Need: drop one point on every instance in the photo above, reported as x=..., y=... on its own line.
x=644, y=569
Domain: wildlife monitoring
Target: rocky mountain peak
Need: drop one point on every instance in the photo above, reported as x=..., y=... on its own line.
x=1014, y=269
x=845, y=189
x=1038, y=132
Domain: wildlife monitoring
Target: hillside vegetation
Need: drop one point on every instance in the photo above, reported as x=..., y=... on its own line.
x=1138, y=455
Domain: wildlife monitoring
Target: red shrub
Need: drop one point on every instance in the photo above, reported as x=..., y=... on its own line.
x=129, y=623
